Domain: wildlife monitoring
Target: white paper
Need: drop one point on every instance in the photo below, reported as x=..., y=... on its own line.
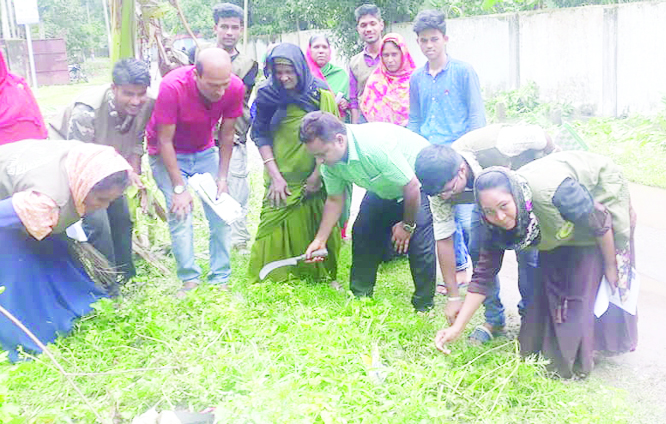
x=224, y=206
x=75, y=231
x=605, y=296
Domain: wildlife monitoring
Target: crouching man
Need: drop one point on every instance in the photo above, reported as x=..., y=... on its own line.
x=380, y=158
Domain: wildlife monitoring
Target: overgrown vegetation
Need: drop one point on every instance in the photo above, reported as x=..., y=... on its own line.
x=637, y=142
x=79, y=22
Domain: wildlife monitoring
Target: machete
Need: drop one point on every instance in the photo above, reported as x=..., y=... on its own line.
x=321, y=253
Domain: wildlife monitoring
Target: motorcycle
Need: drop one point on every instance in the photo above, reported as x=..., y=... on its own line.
x=76, y=73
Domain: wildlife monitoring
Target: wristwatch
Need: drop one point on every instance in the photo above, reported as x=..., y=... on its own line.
x=410, y=228
x=179, y=189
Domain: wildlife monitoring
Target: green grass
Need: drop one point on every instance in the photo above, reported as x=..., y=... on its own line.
x=629, y=144
x=637, y=142
x=294, y=352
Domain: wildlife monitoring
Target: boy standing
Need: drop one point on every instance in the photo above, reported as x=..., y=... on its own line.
x=444, y=97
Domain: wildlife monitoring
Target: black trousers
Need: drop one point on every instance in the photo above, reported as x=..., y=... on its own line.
x=371, y=232
x=110, y=232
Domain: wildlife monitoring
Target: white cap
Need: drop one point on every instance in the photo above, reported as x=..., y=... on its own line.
x=516, y=139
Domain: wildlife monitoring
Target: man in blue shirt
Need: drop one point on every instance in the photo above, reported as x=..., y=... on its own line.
x=444, y=97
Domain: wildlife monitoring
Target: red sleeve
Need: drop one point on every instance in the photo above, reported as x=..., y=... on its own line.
x=233, y=107
x=165, y=111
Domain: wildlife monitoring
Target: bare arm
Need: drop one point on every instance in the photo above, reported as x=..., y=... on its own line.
x=607, y=246
x=278, y=190
x=181, y=204
x=332, y=211
x=473, y=302
x=446, y=256
x=411, y=194
x=226, y=137
x=313, y=183
x=354, y=115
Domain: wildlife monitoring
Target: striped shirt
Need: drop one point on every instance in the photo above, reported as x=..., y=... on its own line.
x=380, y=159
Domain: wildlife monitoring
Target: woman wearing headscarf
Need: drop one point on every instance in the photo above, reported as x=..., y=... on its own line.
x=385, y=97
x=318, y=56
x=46, y=186
x=575, y=208
x=20, y=117
x=294, y=200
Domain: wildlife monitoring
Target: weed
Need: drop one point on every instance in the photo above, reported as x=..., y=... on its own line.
x=293, y=352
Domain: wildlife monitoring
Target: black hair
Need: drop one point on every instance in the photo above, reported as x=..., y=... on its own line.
x=492, y=180
x=367, y=9
x=131, y=71
x=227, y=10
x=435, y=166
x=314, y=37
x=429, y=19
x=118, y=179
x=321, y=125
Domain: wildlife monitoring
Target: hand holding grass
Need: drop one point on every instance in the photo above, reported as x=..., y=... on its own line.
x=445, y=336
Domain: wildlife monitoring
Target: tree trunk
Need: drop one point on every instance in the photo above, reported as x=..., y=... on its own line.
x=123, y=29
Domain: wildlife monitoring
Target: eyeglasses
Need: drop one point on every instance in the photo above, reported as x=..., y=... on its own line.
x=449, y=188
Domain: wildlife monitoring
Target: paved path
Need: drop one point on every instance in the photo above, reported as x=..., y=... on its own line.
x=641, y=373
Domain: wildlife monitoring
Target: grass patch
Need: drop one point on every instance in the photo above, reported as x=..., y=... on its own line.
x=630, y=143
x=295, y=352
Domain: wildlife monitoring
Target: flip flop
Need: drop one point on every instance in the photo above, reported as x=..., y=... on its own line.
x=481, y=335
x=441, y=287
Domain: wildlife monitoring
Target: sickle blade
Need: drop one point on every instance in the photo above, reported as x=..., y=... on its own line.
x=275, y=265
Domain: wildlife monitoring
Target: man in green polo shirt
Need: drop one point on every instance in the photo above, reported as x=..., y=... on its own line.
x=380, y=158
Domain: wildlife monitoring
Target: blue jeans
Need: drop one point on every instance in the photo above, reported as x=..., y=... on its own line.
x=461, y=237
x=527, y=266
x=182, y=234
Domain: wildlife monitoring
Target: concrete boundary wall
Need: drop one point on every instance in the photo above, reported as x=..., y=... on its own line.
x=608, y=59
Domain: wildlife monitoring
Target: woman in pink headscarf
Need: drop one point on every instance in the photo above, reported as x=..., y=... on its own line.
x=318, y=56
x=46, y=186
x=20, y=117
x=386, y=94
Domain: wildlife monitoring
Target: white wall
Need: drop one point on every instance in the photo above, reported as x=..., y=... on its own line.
x=608, y=59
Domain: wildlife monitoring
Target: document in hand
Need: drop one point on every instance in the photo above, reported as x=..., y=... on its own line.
x=224, y=206
x=605, y=296
x=75, y=231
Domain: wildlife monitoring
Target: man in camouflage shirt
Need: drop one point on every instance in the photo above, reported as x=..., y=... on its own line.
x=228, y=28
x=114, y=115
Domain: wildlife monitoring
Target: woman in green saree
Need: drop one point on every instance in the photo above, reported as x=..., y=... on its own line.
x=294, y=200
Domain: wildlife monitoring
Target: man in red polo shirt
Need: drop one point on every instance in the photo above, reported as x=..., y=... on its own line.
x=191, y=100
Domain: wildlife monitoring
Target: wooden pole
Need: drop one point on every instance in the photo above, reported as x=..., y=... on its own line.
x=245, y=24
x=108, y=27
x=5, y=19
